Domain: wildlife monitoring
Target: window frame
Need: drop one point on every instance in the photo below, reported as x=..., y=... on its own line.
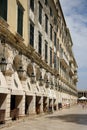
x=31, y=33
x=40, y=13
x=46, y=51
x=55, y=39
x=46, y=23
x=32, y=5
x=4, y=9
x=20, y=13
x=39, y=43
x=50, y=56
x=51, y=29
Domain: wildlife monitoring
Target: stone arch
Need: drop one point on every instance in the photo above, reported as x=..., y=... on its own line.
x=30, y=69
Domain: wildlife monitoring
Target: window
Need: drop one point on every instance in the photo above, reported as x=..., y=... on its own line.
x=40, y=13
x=46, y=2
x=51, y=31
x=3, y=9
x=46, y=50
x=31, y=34
x=54, y=39
x=32, y=5
x=39, y=43
x=51, y=13
x=20, y=19
x=46, y=23
x=55, y=60
x=51, y=57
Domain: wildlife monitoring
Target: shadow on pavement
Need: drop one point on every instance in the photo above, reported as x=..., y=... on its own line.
x=75, y=118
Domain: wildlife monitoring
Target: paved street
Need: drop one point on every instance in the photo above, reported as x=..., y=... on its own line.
x=74, y=118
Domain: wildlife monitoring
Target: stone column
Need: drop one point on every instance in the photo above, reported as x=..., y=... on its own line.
x=47, y=103
x=8, y=100
x=52, y=105
x=41, y=107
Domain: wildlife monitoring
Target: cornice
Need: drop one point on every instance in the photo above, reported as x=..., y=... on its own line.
x=17, y=42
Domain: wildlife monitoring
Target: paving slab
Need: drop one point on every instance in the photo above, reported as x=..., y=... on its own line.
x=74, y=118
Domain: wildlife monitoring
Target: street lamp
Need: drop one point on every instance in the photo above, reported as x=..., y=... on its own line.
x=20, y=71
x=51, y=85
x=32, y=77
x=41, y=80
x=3, y=64
x=47, y=83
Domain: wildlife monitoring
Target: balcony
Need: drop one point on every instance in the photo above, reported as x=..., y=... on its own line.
x=64, y=60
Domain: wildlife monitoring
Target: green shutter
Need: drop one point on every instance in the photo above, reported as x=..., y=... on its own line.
x=3, y=9
x=20, y=21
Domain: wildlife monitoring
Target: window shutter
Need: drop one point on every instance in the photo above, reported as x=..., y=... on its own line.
x=20, y=20
x=3, y=9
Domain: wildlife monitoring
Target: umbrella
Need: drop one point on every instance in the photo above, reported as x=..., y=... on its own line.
x=82, y=98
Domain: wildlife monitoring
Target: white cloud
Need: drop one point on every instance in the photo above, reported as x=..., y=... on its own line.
x=75, y=13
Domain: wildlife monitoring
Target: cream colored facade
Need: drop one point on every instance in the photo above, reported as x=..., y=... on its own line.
x=30, y=84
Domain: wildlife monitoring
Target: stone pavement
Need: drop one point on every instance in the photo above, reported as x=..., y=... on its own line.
x=74, y=118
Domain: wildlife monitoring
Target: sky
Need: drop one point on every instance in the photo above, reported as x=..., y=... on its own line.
x=75, y=13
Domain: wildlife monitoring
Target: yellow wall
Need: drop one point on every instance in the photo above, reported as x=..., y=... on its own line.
x=12, y=18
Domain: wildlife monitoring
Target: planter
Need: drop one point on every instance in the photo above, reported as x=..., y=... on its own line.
x=14, y=113
x=2, y=116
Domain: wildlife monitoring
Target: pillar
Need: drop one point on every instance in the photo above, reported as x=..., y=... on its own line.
x=32, y=107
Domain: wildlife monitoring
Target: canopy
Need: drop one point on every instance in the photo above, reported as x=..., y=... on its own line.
x=82, y=98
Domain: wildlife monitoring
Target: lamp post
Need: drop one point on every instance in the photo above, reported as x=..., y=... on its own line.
x=41, y=80
x=32, y=77
x=20, y=71
x=3, y=64
x=47, y=83
x=51, y=85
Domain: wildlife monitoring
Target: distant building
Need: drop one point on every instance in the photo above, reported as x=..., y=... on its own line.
x=38, y=67
x=82, y=93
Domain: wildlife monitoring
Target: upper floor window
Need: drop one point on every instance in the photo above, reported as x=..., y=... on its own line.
x=46, y=50
x=46, y=23
x=51, y=57
x=3, y=9
x=40, y=13
x=40, y=43
x=31, y=34
x=51, y=13
x=32, y=5
x=46, y=2
x=54, y=39
x=20, y=19
x=55, y=60
x=51, y=28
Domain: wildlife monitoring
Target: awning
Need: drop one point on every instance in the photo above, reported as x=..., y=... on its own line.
x=16, y=86
x=3, y=84
x=83, y=98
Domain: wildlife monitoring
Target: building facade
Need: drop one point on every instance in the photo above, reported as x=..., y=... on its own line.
x=38, y=69
x=82, y=93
